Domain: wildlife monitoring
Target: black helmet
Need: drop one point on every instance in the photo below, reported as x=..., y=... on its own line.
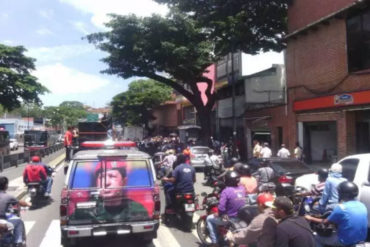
x=323, y=174
x=233, y=161
x=347, y=191
x=237, y=167
x=245, y=170
x=232, y=178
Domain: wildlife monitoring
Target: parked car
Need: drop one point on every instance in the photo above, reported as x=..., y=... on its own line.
x=13, y=144
x=197, y=156
x=286, y=170
x=109, y=192
x=356, y=168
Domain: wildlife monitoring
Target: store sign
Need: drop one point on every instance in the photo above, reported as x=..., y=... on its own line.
x=338, y=100
x=343, y=99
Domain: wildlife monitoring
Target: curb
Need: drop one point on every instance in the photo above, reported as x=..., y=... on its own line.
x=24, y=191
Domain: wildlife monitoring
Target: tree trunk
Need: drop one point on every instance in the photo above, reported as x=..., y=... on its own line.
x=205, y=123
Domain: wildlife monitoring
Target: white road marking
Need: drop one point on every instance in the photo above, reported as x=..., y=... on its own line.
x=59, y=167
x=165, y=238
x=28, y=225
x=52, y=236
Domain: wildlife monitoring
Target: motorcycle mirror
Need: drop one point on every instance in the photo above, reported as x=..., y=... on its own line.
x=204, y=194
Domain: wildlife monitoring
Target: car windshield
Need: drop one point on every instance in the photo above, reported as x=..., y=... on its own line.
x=199, y=150
x=93, y=174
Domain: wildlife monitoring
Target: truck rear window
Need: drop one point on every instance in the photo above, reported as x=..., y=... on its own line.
x=111, y=174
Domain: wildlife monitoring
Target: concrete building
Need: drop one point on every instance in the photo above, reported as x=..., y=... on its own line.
x=328, y=78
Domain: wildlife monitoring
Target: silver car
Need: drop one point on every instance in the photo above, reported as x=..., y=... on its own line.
x=198, y=154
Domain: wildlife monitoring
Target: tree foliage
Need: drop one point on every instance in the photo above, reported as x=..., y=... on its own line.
x=247, y=25
x=68, y=113
x=177, y=49
x=16, y=82
x=134, y=106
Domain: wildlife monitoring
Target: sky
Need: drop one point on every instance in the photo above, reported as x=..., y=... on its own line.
x=52, y=31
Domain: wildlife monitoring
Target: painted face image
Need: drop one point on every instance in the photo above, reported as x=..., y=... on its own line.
x=114, y=182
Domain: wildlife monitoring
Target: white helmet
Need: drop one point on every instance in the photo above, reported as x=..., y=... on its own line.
x=336, y=167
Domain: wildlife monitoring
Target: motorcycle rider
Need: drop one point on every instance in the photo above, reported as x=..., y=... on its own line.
x=212, y=161
x=264, y=174
x=329, y=198
x=5, y=201
x=249, y=182
x=262, y=229
x=183, y=179
x=350, y=217
x=232, y=198
x=292, y=231
x=38, y=172
x=167, y=163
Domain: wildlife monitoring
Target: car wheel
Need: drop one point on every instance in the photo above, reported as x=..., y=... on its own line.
x=68, y=242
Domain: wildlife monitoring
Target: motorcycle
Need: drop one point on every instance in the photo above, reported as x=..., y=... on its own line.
x=210, y=205
x=184, y=206
x=211, y=173
x=7, y=236
x=35, y=191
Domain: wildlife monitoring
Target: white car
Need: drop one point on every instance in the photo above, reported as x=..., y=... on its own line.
x=13, y=144
x=356, y=168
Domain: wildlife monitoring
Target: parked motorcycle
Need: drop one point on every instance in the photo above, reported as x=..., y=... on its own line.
x=184, y=206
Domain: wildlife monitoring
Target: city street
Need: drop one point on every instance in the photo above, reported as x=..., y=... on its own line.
x=43, y=229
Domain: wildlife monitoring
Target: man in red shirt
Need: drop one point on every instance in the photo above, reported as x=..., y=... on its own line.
x=68, y=136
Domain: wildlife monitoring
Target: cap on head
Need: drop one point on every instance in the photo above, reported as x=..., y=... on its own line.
x=35, y=158
x=336, y=168
x=265, y=199
x=112, y=165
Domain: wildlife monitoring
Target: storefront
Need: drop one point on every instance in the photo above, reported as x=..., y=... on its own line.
x=334, y=126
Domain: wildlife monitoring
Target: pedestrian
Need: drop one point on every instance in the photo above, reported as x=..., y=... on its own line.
x=292, y=231
x=298, y=152
x=350, y=217
x=262, y=229
x=283, y=152
x=256, y=149
x=266, y=151
x=68, y=143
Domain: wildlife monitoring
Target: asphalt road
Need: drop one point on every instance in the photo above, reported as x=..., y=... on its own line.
x=42, y=224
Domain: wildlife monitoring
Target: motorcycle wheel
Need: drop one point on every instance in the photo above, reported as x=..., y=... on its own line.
x=202, y=232
x=188, y=222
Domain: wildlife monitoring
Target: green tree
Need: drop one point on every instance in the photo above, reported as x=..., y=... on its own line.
x=16, y=82
x=68, y=113
x=134, y=106
x=247, y=25
x=177, y=49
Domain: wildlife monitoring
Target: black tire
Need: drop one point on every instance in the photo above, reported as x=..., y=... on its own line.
x=67, y=242
x=147, y=238
x=202, y=232
x=188, y=222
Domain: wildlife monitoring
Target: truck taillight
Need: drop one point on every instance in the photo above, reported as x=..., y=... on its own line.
x=157, y=207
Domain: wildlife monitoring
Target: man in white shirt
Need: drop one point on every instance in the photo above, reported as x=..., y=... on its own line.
x=266, y=151
x=256, y=149
x=283, y=152
x=298, y=152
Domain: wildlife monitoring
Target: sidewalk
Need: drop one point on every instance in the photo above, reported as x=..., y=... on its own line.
x=18, y=187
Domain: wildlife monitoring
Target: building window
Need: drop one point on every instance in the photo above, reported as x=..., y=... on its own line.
x=358, y=41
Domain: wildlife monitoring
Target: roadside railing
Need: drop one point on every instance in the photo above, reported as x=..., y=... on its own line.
x=10, y=160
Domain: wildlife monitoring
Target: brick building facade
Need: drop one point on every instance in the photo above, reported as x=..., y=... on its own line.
x=328, y=82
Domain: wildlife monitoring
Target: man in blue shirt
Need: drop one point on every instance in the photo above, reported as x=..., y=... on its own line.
x=183, y=179
x=329, y=198
x=350, y=217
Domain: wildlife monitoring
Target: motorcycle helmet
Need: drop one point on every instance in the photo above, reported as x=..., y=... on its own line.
x=347, y=191
x=323, y=174
x=232, y=178
x=233, y=161
x=36, y=159
x=245, y=170
x=265, y=199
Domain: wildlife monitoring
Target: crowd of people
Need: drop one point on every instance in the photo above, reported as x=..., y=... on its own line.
x=264, y=151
